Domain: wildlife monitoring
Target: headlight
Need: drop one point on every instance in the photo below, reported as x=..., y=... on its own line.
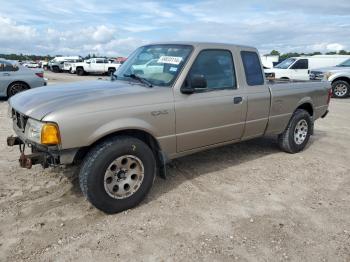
x=42, y=133
x=328, y=75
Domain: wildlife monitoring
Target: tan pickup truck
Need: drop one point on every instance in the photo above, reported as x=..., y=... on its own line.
x=166, y=101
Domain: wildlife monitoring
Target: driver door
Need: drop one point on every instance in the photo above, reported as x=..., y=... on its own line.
x=299, y=70
x=213, y=115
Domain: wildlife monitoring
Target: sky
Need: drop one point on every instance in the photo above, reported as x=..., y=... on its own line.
x=116, y=28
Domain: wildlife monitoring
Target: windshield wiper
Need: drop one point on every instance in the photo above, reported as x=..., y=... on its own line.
x=140, y=79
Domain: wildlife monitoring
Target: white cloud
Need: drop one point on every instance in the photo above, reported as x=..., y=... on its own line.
x=117, y=27
x=335, y=47
x=11, y=32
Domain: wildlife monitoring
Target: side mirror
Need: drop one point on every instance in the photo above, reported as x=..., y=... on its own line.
x=88, y=62
x=196, y=82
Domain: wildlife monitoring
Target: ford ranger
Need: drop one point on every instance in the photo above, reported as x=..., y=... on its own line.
x=124, y=130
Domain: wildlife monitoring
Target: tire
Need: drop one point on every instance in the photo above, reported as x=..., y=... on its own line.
x=16, y=88
x=340, y=89
x=111, y=71
x=103, y=169
x=55, y=69
x=295, y=137
x=71, y=71
x=80, y=71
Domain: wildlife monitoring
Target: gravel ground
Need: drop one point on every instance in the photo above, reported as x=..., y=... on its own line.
x=243, y=202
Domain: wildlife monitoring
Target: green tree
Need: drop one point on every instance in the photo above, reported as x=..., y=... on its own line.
x=275, y=52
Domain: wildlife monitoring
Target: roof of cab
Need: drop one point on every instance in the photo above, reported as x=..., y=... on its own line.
x=202, y=44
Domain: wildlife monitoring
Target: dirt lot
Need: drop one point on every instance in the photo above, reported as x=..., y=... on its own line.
x=244, y=202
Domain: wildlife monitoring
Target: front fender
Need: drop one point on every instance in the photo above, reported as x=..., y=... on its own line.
x=121, y=125
x=335, y=76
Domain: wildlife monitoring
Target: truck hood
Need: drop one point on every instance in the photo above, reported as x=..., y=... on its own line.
x=39, y=102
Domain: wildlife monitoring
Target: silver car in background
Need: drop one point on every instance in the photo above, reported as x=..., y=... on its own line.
x=15, y=78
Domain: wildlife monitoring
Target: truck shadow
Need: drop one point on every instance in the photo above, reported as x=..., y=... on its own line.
x=190, y=167
x=214, y=160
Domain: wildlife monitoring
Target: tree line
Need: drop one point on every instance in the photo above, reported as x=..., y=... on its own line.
x=24, y=57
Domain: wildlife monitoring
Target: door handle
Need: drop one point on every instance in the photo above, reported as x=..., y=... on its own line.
x=237, y=100
x=6, y=74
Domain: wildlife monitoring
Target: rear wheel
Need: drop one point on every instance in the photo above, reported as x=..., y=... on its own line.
x=298, y=132
x=341, y=89
x=16, y=88
x=80, y=71
x=117, y=174
x=111, y=71
x=55, y=69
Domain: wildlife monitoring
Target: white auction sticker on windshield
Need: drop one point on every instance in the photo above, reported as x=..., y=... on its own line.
x=175, y=60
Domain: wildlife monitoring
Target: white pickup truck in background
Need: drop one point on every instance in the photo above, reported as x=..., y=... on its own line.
x=298, y=68
x=94, y=65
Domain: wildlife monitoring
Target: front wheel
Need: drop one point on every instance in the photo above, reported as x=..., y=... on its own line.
x=80, y=71
x=117, y=174
x=298, y=132
x=341, y=89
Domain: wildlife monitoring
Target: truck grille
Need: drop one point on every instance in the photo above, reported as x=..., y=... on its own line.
x=19, y=119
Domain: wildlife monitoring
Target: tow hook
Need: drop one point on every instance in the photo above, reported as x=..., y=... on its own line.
x=25, y=161
x=13, y=141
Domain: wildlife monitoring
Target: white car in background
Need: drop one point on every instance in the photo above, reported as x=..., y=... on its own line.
x=151, y=67
x=15, y=78
x=31, y=64
x=97, y=66
x=298, y=68
x=56, y=64
x=70, y=65
x=338, y=75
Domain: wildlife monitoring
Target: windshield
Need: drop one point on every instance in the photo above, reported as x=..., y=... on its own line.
x=158, y=64
x=286, y=63
x=346, y=63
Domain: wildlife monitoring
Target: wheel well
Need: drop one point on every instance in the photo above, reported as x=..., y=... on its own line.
x=346, y=79
x=22, y=82
x=140, y=134
x=307, y=107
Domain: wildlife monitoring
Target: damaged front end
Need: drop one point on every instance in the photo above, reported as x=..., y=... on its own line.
x=38, y=156
x=43, y=140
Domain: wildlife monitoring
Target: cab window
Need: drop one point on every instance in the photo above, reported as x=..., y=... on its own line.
x=252, y=68
x=301, y=64
x=217, y=68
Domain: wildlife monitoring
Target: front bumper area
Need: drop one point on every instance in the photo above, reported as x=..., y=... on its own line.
x=43, y=155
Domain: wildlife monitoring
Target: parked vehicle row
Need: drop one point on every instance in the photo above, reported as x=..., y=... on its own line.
x=76, y=65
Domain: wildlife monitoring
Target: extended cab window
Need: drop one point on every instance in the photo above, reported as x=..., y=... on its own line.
x=217, y=68
x=301, y=64
x=252, y=68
